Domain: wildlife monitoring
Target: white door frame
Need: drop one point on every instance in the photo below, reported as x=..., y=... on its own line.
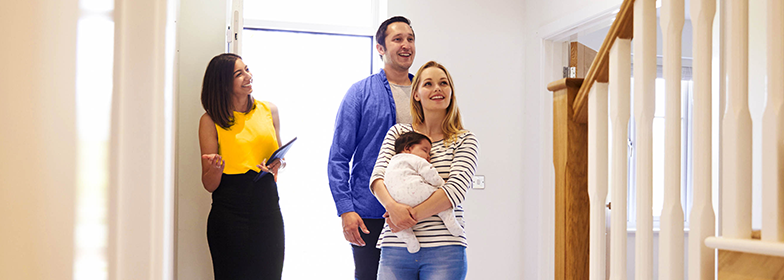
x=141, y=186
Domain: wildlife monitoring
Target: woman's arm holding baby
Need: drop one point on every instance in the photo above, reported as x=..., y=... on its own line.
x=462, y=170
x=400, y=215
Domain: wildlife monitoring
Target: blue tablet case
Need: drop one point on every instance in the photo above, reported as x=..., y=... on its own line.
x=277, y=154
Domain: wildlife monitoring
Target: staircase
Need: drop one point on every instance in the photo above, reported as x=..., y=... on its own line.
x=581, y=140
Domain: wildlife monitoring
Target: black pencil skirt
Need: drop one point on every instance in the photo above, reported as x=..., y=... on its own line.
x=245, y=228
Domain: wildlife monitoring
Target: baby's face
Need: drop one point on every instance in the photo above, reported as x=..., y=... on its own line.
x=421, y=149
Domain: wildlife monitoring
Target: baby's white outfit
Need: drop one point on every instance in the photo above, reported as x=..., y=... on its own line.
x=411, y=180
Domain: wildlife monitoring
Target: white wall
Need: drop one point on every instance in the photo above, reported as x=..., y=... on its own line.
x=200, y=37
x=38, y=108
x=480, y=43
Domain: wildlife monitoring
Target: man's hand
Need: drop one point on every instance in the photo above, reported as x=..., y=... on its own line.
x=352, y=222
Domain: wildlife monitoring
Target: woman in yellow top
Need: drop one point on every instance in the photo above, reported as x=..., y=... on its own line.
x=245, y=226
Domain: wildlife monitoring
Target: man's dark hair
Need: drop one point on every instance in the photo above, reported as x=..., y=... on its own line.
x=381, y=33
x=408, y=139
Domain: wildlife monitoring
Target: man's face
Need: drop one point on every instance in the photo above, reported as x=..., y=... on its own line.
x=400, y=49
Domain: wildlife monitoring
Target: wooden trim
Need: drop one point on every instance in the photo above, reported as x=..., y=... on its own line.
x=564, y=83
x=622, y=27
x=581, y=57
x=570, y=159
x=573, y=54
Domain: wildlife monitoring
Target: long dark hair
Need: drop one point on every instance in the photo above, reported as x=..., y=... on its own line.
x=217, y=89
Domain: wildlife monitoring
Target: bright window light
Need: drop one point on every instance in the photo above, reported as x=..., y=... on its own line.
x=335, y=12
x=96, y=6
x=658, y=155
x=94, y=68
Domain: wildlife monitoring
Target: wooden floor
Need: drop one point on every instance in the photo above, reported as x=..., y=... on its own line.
x=745, y=266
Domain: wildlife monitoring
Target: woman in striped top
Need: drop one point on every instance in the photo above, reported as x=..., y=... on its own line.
x=454, y=154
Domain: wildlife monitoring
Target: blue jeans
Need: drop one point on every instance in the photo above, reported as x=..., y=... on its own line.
x=434, y=263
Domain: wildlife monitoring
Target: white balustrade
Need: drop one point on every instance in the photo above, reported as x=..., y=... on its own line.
x=644, y=106
x=619, y=90
x=772, y=129
x=736, y=134
x=702, y=220
x=671, y=221
x=597, y=178
x=736, y=127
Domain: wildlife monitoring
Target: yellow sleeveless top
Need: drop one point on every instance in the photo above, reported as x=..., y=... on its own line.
x=251, y=139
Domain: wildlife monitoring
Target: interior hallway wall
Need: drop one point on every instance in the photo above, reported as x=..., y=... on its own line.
x=38, y=108
x=201, y=35
x=481, y=44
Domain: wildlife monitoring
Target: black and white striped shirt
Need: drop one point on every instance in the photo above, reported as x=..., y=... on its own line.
x=456, y=164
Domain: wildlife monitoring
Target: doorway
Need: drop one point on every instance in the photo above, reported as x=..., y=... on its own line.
x=306, y=75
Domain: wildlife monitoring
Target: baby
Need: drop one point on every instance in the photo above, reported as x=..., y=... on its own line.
x=411, y=179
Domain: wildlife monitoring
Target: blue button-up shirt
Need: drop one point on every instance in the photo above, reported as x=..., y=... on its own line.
x=364, y=117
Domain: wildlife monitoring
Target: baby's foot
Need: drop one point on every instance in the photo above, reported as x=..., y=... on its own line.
x=413, y=247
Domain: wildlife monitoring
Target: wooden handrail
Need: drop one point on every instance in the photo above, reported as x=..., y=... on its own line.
x=622, y=27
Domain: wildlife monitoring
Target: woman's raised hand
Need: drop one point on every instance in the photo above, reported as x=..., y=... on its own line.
x=216, y=162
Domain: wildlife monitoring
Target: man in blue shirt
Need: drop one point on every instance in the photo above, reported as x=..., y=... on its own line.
x=369, y=108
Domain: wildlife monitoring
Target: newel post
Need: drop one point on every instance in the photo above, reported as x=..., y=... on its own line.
x=572, y=207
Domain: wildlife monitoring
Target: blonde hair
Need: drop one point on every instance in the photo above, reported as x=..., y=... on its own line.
x=452, y=125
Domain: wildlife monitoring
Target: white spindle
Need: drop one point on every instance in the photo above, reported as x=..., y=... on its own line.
x=772, y=124
x=671, y=223
x=702, y=221
x=620, y=83
x=597, y=178
x=644, y=106
x=736, y=130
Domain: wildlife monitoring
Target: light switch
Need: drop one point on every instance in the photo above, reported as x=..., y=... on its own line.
x=479, y=182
